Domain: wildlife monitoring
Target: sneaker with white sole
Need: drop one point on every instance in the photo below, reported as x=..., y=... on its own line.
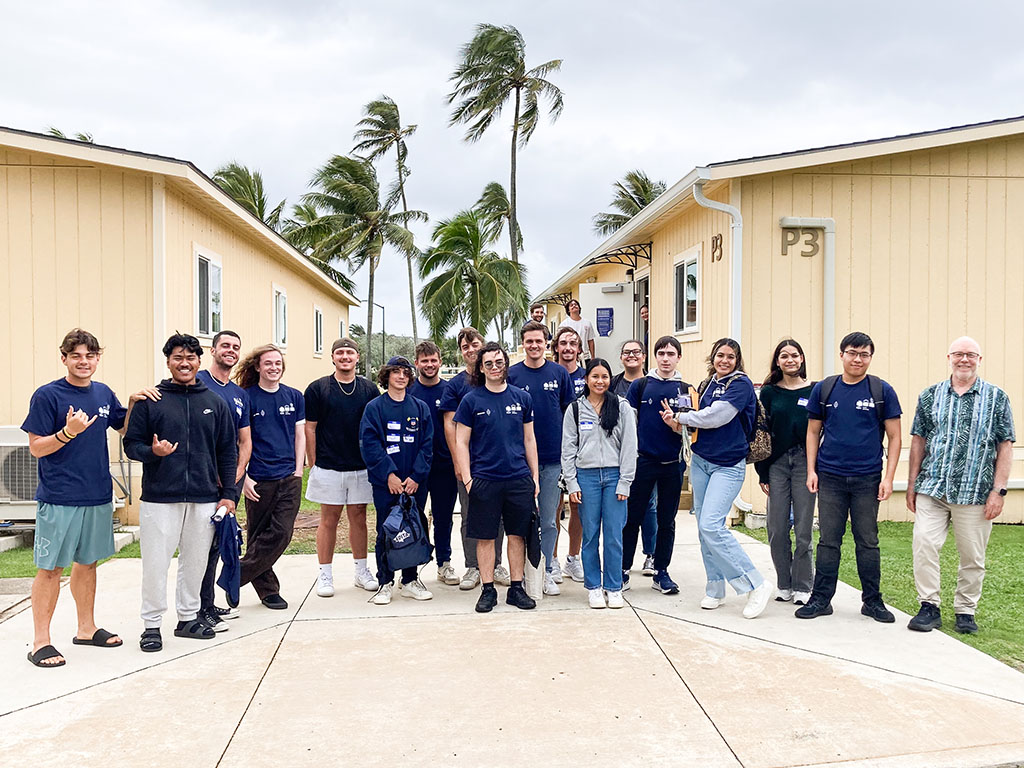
x=550, y=587
x=801, y=598
x=383, y=596
x=625, y=581
x=556, y=570
x=501, y=576
x=649, y=568
x=470, y=579
x=209, y=617
x=596, y=597
x=757, y=601
x=615, y=599
x=365, y=580
x=783, y=595
x=709, y=603
x=574, y=568
x=447, y=575
x=227, y=613
x=325, y=584
x=416, y=590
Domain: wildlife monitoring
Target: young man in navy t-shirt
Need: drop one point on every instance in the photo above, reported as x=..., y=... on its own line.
x=225, y=351
x=496, y=454
x=442, y=487
x=566, y=346
x=551, y=389
x=844, y=467
x=273, y=477
x=67, y=426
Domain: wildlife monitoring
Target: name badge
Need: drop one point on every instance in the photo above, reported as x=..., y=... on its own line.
x=586, y=426
x=392, y=438
x=394, y=448
x=408, y=438
x=802, y=401
x=394, y=425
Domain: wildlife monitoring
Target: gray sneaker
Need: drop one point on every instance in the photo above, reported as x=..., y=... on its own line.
x=501, y=576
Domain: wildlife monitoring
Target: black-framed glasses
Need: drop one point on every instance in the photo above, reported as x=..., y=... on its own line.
x=632, y=352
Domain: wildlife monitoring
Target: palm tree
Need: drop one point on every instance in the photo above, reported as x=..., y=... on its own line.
x=304, y=231
x=492, y=71
x=352, y=224
x=495, y=212
x=83, y=137
x=632, y=194
x=378, y=133
x=246, y=187
x=466, y=280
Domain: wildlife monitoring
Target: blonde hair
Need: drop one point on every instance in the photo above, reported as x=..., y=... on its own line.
x=248, y=374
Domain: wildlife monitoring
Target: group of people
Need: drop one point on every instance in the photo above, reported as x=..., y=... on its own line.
x=510, y=443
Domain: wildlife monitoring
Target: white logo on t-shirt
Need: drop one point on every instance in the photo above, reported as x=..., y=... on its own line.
x=207, y=410
x=104, y=411
x=865, y=405
x=551, y=386
x=287, y=408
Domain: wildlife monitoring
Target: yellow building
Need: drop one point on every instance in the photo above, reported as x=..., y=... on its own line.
x=913, y=239
x=132, y=247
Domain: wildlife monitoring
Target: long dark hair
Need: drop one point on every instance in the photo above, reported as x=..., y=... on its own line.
x=610, y=407
x=734, y=346
x=478, y=365
x=775, y=372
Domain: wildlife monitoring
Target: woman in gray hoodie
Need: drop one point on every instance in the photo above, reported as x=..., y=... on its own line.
x=598, y=464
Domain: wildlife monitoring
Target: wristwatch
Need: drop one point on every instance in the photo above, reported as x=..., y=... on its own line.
x=1001, y=491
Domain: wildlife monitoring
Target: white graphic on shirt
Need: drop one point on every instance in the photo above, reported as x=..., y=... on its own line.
x=207, y=410
x=285, y=409
x=104, y=411
x=551, y=386
x=866, y=405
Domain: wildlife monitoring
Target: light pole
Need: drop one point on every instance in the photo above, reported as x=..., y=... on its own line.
x=383, y=331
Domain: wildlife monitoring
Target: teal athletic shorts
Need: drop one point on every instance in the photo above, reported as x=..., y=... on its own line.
x=66, y=534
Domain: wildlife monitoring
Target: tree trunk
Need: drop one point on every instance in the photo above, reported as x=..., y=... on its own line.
x=513, y=224
x=408, y=257
x=369, y=317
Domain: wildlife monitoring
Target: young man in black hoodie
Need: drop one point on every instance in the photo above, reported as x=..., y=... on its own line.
x=186, y=443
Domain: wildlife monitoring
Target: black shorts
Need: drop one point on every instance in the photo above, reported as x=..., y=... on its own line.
x=491, y=501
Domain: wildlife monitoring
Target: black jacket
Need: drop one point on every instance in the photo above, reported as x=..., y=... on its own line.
x=202, y=469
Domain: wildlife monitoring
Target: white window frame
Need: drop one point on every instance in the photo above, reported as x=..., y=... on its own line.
x=280, y=334
x=686, y=259
x=341, y=328
x=201, y=253
x=318, y=331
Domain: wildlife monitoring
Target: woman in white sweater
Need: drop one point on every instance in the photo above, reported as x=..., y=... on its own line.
x=598, y=464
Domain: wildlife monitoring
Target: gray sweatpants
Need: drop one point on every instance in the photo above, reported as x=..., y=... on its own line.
x=164, y=528
x=787, y=483
x=468, y=544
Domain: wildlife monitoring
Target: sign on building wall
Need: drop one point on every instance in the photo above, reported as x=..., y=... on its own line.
x=605, y=321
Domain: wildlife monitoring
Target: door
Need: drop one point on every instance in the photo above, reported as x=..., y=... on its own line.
x=611, y=308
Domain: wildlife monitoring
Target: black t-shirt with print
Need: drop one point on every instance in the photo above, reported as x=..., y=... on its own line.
x=337, y=410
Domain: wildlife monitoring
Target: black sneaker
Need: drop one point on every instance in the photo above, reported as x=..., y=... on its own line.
x=275, y=602
x=815, y=607
x=210, y=618
x=927, y=619
x=517, y=596
x=487, y=600
x=878, y=612
x=226, y=613
x=625, y=580
x=965, y=624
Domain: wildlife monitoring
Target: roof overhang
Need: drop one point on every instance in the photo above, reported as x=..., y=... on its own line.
x=185, y=172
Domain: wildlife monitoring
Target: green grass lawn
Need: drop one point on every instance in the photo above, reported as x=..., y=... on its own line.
x=1001, y=611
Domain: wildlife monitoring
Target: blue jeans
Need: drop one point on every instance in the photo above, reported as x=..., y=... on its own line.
x=649, y=526
x=601, y=511
x=547, y=507
x=714, y=489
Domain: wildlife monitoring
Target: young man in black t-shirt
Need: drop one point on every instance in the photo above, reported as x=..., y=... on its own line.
x=337, y=476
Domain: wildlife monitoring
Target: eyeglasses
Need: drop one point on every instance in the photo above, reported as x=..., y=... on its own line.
x=857, y=355
x=962, y=355
x=494, y=365
x=632, y=353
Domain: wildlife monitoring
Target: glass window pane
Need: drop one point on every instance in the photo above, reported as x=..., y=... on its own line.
x=203, y=297
x=691, y=295
x=680, y=296
x=215, y=298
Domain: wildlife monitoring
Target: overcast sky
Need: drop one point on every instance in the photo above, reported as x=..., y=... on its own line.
x=661, y=86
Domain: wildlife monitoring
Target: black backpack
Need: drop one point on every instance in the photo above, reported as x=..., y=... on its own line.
x=877, y=394
x=404, y=536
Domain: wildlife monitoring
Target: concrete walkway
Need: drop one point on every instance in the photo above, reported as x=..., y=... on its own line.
x=662, y=683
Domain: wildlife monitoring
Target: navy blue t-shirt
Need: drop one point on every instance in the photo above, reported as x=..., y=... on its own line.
x=233, y=395
x=432, y=396
x=458, y=386
x=272, y=417
x=78, y=474
x=655, y=439
x=578, y=379
x=496, y=447
x=851, y=445
x=728, y=444
x=551, y=390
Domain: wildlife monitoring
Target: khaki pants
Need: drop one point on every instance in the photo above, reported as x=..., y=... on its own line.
x=971, y=530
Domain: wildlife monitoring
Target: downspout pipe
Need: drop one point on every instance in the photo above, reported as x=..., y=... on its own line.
x=829, y=349
x=736, y=262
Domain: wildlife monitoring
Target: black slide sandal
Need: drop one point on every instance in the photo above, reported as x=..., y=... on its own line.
x=44, y=653
x=195, y=629
x=151, y=641
x=99, y=639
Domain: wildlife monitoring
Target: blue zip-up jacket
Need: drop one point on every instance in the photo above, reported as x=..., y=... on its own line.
x=396, y=438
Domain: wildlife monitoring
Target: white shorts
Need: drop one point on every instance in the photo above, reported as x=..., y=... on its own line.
x=328, y=486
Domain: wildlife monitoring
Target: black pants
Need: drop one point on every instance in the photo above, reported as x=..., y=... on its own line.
x=269, y=524
x=668, y=478
x=856, y=498
x=383, y=501
x=206, y=593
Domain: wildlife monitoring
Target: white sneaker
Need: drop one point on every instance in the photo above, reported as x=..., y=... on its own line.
x=574, y=568
x=597, y=598
x=447, y=575
x=709, y=603
x=649, y=568
x=470, y=579
x=365, y=580
x=416, y=590
x=757, y=601
x=325, y=584
x=383, y=596
x=783, y=595
x=550, y=587
x=501, y=576
x=615, y=599
x=556, y=570
x=801, y=598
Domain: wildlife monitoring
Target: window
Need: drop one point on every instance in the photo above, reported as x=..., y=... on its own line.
x=687, y=291
x=318, y=331
x=280, y=316
x=341, y=329
x=209, y=305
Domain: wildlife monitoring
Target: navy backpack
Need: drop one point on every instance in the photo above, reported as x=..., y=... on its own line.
x=406, y=544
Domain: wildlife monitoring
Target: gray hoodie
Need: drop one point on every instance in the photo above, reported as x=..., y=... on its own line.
x=593, y=448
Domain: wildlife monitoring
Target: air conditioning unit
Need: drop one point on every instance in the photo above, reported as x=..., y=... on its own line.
x=18, y=476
